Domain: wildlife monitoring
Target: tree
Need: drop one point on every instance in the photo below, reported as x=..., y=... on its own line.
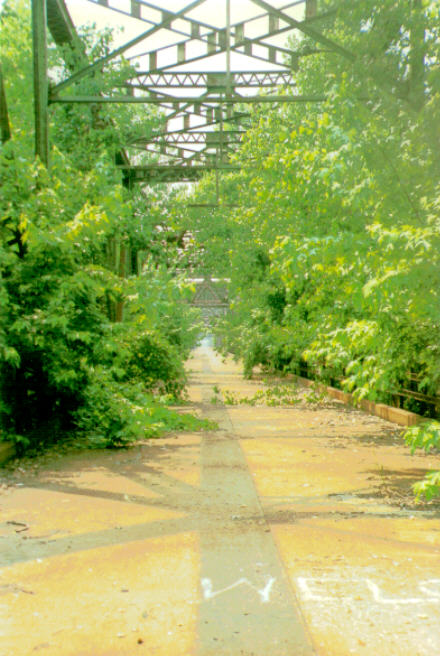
x=333, y=245
x=64, y=363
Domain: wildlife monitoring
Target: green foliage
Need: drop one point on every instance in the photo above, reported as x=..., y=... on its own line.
x=66, y=363
x=62, y=360
x=426, y=437
x=156, y=360
x=116, y=414
x=144, y=355
x=333, y=243
x=429, y=487
x=272, y=396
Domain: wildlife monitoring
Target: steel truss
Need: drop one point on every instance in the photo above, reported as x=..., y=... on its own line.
x=204, y=107
x=210, y=81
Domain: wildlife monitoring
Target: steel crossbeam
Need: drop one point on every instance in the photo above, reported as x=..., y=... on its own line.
x=180, y=158
x=228, y=136
x=169, y=173
x=216, y=45
x=214, y=100
x=196, y=30
x=212, y=36
x=202, y=126
x=167, y=19
x=196, y=138
x=146, y=81
x=186, y=133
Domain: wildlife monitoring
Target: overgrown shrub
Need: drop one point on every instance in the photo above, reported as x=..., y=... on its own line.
x=65, y=363
x=343, y=199
x=114, y=414
x=425, y=437
x=157, y=363
x=135, y=354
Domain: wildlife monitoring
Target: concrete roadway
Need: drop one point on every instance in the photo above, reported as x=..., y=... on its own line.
x=287, y=532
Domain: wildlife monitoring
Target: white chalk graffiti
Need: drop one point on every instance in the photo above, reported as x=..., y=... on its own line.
x=434, y=590
x=264, y=593
x=332, y=589
x=380, y=599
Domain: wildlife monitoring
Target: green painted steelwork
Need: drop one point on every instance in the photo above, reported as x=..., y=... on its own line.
x=5, y=128
x=205, y=140
x=39, y=40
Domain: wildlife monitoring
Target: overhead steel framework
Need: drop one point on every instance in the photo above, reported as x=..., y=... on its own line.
x=201, y=73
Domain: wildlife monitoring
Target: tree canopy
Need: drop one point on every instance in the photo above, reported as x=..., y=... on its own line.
x=95, y=325
x=330, y=230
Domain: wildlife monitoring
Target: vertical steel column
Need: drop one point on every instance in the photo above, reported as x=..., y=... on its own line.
x=228, y=48
x=5, y=130
x=221, y=138
x=39, y=40
x=311, y=8
x=417, y=56
x=217, y=183
x=228, y=94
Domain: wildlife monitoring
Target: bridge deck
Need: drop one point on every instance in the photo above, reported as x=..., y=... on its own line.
x=288, y=531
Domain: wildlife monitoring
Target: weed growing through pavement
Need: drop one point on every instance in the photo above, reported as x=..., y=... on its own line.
x=277, y=395
x=315, y=397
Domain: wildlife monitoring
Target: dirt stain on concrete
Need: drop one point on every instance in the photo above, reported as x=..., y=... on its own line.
x=291, y=530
